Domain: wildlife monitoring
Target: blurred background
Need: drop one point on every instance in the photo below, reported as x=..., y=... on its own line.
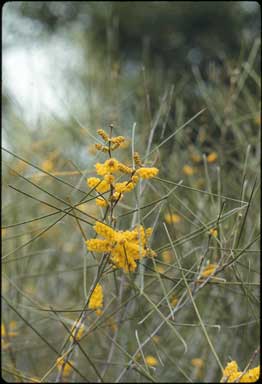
x=92, y=61
x=70, y=68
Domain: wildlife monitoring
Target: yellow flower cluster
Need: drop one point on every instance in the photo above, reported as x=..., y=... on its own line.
x=112, y=142
x=103, y=134
x=209, y=269
x=96, y=299
x=251, y=376
x=197, y=362
x=257, y=120
x=126, y=186
x=110, y=167
x=6, y=334
x=196, y=158
x=11, y=329
x=172, y=218
x=159, y=269
x=101, y=202
x=47, y=165
x=212, y=157
x=100, y=186
x=125, y=247
x=174, y=301
x=231, y=374
x=187, y=170
x=67, y=368
x=167, y=256
x=77, y=331
x=213, y=232
x=151, y=360
x=147, y=173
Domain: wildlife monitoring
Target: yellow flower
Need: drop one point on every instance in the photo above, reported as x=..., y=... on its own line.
x=151, y=360
x=100, y=147
x=103, y=134
x=98, y=245
x=101, y=186
x=209, y=269
x=101, y=202
x=125, y=246
x=67, y=367
x=231, y=374
x=77, y=331
x=47, y=165
x=150, y=253
x=213, y=232
x=125, y=169
x=231, y=367
x=167, y=256
x=137, y=159
x=3, y=331
x=187, y=170
x=111, y=165
x=257, y=120
x=174, y=301
x=172, y=218
x=96, y=299
x=125, y=144
x=104, y=230
x=147, y=173
x=10, y=332
x=251, y=376
x=93, y=182
x=212, y=157
x=149, y=232
x=117, y=140
x=109, y=179
x=196, y=158
x=101, y=169
x=124, y=187
x=159, y=269
x=135, y=179
x=116, y=196
x=99, y=312
x=197, y=362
